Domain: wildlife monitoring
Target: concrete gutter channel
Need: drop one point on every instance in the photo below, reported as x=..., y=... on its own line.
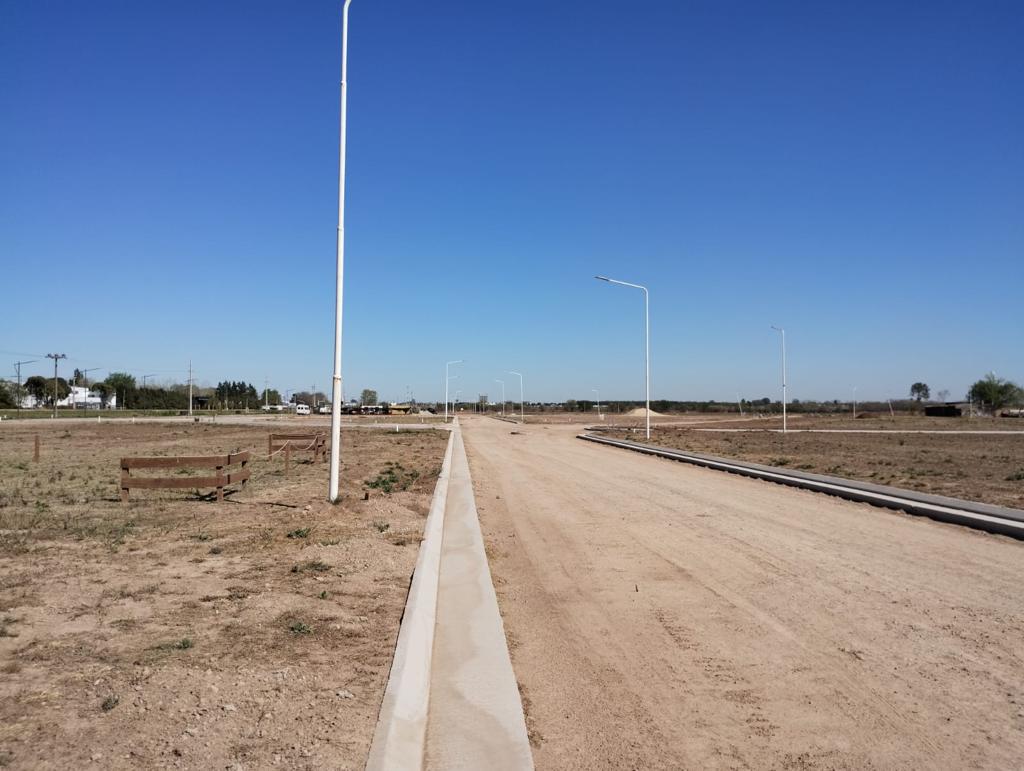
x=452, y=700
x=981, y=516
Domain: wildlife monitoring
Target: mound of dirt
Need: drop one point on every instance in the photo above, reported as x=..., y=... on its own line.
x=639, y=412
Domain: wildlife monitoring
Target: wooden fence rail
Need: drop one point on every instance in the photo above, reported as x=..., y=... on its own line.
x=314, y=443
x=217, y=462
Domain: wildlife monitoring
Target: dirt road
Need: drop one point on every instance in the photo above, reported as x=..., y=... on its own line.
x=666, y=616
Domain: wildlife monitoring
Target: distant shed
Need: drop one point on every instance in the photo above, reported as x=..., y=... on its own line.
x=947, y=410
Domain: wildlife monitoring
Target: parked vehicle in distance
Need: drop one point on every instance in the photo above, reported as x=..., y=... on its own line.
x=325, y=409
x=301, y=409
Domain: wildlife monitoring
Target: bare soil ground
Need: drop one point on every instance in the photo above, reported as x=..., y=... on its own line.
x=663, y=616
x=987, y=468
x=178, y=632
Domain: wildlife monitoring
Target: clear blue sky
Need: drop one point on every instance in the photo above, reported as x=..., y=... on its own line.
x=852, y=171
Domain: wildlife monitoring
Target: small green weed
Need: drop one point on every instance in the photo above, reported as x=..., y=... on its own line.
x=317, y=566
x=393, y=476
x=299, y=627
x=109, y=703
x=301, y=532
x=1017, y=477
x=382, y=527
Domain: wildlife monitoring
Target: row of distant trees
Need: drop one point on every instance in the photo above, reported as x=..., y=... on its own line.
x=990, y=393
x=122, y=388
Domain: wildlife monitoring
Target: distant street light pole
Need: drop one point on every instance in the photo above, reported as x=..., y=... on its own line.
x=502, y=395
x=55, y=357
x=83, y=372
x=855, y=402
x=144, y=379
x=522, y=407
x=17, y=369
x=335, y=470
x=783, y=332
x=647, y=343
x=447, y=379
x=599, y=417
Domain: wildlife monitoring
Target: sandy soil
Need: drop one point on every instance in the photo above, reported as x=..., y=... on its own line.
x=177, y=632
x=988, y=468
x=666, y=616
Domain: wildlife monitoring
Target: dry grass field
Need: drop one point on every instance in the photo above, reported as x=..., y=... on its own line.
x=177, y=632
x=987, y=468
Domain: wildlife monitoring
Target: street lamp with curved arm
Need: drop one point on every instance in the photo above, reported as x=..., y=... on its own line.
x=522, y=408
x=647, y=343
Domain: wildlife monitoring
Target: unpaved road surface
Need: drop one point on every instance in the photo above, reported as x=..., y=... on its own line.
x=665, y=616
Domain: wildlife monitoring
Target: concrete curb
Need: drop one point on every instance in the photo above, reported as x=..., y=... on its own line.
x=401, y=733
x=981, y=516
x=476, y=719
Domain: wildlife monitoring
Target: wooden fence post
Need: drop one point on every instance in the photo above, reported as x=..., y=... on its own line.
x=35, y=449
x=220, y=484
x=270, y=444
x=287, y=457
x=124, y=482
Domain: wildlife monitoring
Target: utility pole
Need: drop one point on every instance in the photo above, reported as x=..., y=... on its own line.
x=55, y=357
x=190, y=388
x=266, y=393
x=17, y=369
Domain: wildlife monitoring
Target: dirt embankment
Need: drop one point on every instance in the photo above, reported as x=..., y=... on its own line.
x=178, y=632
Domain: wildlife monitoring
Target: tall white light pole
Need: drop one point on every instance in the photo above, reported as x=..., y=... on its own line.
x=522, y=407
x=783, y=333
x=335, y=471
x=502, y=395
x=855, y=402
x=647, y=343
x=598, y=403
x=447, y=379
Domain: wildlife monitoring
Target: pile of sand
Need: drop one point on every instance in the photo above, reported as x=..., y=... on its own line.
x=639, y=412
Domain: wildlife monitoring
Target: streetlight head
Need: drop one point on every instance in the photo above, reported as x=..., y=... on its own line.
x=602, y=278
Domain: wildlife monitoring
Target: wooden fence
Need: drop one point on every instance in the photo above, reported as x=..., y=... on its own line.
x=314, y=443
x=218, y=462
